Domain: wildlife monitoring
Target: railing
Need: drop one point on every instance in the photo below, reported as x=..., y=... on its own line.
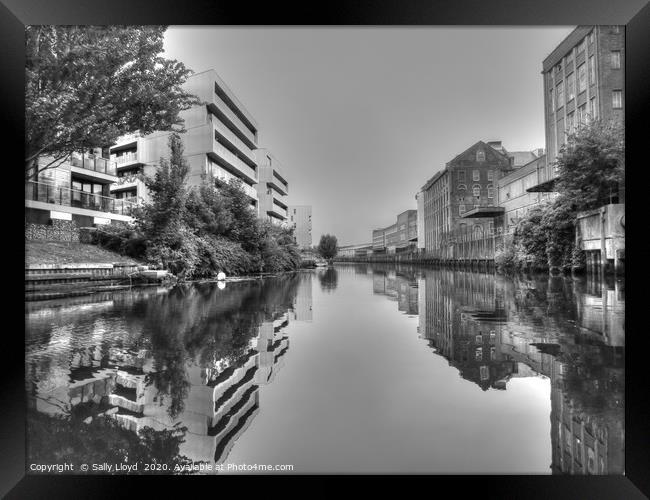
x=125, y=158
x=61, y=195
x=225, y=176
x=225, y=109
x=95, y=163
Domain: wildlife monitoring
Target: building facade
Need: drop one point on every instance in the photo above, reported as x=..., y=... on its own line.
x=272, y=188
x=584, y=78
x=398, y=237
x=361, y=250
x=459, y=202
x=75, y=193
x=300, y=221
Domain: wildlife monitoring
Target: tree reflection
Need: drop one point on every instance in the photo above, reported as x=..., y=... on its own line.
x=328, y=279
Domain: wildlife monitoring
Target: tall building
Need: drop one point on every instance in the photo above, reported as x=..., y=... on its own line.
x=463, y=190
x=272, y=189
x=219, y=142
x=584, y=78
x=300, y=220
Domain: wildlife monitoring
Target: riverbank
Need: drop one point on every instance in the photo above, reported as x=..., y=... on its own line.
x=69, y=252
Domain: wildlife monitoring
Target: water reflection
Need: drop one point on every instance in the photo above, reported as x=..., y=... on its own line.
x=153, y=360
x=182, y=374
x=328, y=279
x=493, y=329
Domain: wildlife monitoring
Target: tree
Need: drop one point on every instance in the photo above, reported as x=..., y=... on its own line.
x=327, y=247
x=592, y=165
x=87, y=85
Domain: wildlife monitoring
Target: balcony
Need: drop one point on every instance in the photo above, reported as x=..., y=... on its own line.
x=93, y=163
x=225, y=176
x=230, y=137
x=126, y=160
x=65, y=196
x=234, y=162
x=222, y=109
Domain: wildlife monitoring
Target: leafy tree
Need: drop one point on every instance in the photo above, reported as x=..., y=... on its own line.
x=592, y=165
x=87, y=85
x=327, y=247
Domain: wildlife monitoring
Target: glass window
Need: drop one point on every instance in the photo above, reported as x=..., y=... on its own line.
x=582, y=114
x=490, y=175
x=592, y=70
x=616, y=59
x=617, y=99
x=461, y=209
x=476, y=175
x=571, y=86
x=593, y=109
x=570, y=122
x=461, y=176
x=559, y=90
x=551, y=94
x=476, y=190
x=462, y=187
x=582, y=78
x=479, y=353
x=490, y=191
x=480, y=155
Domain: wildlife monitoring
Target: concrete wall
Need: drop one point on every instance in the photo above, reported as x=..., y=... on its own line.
x=603, y=228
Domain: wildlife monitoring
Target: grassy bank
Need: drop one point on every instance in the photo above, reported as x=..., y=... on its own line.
x=57, y=252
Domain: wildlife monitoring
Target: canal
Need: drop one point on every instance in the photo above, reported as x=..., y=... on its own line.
x=352, y=369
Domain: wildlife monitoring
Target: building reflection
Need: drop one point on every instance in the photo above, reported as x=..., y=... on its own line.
x=571, y=331
x=194, y=357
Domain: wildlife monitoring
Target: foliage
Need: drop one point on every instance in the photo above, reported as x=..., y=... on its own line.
x=327, y=247
x=87, y=85
x=592, y=164
x=58, y=439
x=591, y=171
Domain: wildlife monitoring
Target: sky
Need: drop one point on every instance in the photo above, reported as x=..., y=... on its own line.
x=361, y=117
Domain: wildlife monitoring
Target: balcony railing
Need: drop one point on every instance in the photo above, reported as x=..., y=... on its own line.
x=234, y=161
x=61, y=195
x=125, y=158
x=234, y=119
x=95, y=163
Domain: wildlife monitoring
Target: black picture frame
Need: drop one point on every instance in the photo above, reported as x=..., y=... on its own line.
x=635, y=14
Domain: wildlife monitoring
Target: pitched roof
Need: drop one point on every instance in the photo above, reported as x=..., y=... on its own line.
x=521, y=158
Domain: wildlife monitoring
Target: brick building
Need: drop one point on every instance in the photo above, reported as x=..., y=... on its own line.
x=398, y=237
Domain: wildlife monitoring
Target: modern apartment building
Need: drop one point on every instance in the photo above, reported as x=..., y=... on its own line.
x=77, y=191
x=219, y=142
x=398, y=237
x=584, y=78
x=300, y=220
x=272, y=189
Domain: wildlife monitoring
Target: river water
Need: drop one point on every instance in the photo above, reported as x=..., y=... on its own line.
x=351, y=369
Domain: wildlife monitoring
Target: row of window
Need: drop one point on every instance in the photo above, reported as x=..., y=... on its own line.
x=476, y=189
x=476, y=175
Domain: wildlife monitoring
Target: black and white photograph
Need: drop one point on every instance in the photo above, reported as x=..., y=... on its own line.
x=325, y=250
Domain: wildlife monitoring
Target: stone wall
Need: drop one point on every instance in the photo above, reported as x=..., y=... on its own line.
x=58, y=230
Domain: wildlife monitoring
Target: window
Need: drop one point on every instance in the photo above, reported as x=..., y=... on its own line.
x=480, y=155
x=493, y=353
x=582, y=114
x=476, y=190
x=479, y=339
x=616, y=59
x=552, y=99
x=476, y=175
x=592, y=70
x=582, y=78
x=593, y=109
x=570, y=86
x=461, y=176
x=617, y=99
x=490, y=191
x=570, y=122
x=559, y=90
x=485, y=372
x=479, y=354
x=462, y=187
x=490, y=175
x=491, y=231
x=560, y=132
x=461, y=209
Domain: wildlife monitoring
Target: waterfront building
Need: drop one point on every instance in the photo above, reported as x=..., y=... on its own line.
x=74, y=193
x=362, y=250
x=463, y=190
x=220, y=142
x=300, y=220
x=419, y=198
x=399, y=237
x=513, y=194
x=584, y=78
x=272, y=188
